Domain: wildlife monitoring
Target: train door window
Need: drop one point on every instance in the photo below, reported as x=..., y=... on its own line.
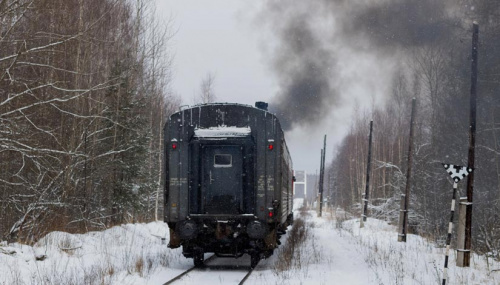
x=223, y=160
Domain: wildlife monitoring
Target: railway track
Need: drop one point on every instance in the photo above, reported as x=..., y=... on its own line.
x=229, y=271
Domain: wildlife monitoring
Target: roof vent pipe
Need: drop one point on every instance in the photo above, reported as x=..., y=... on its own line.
x=261, y=105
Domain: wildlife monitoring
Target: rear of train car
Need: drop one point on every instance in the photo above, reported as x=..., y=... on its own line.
x=228, y=181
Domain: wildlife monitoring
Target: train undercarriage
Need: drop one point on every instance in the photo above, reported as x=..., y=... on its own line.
x=225, y=237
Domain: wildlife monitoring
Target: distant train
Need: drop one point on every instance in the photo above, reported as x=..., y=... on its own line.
x=228, y=181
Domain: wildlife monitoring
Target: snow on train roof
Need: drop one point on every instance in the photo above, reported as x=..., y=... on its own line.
x=222, y=131
x=201, y=105
x=220, y=104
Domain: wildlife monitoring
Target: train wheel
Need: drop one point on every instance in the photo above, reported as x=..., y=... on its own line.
x=254, y=259
x=199, y=260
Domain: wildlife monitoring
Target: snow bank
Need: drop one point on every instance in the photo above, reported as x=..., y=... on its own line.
x=348, y=254
x=124, y=254
x=332, y=254
x=417, y=261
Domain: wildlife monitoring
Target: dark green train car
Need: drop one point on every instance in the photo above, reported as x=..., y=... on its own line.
x=228, y=181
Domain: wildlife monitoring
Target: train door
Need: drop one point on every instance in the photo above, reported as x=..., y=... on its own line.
x=222, y=179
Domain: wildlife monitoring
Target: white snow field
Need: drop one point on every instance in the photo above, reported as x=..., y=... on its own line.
x=330, y=254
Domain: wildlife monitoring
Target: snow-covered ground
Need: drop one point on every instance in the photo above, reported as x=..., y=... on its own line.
x=331, y=254
x=415, y=262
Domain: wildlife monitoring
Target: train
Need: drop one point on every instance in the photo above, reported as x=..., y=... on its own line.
x=228, y=181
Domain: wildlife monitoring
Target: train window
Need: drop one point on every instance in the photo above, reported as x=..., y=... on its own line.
x=223, y=160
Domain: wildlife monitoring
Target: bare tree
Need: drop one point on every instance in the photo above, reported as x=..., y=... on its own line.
x=76, y=130
x=207, y=94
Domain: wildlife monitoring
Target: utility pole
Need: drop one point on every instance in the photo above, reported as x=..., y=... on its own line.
x=85, y=199
x=320, y=186
x=472, y=144
x=316, y=185
x=403, y=212
x=322, y=177
x=368, y=169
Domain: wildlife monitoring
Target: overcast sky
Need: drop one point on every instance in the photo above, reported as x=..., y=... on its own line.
x=224, y=37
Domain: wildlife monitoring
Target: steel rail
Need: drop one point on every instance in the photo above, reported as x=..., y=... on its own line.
x=247, y=275
x=186, y=272
x=176, y=278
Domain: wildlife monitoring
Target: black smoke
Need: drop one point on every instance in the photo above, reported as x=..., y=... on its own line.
x=400, y=23
x=304, y=67
x=306, y=58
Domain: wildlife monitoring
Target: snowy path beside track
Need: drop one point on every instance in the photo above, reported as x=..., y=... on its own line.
x=327, y=258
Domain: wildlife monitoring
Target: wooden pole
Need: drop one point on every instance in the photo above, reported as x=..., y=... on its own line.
x=462, y=210
x=368, y=169
x=316, y=186
x=322, y=181
x=85, y=199
x=320, y=189
x=403, y=217
x=472, y=144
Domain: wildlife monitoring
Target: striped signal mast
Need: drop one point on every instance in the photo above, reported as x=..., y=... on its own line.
x=456, y=173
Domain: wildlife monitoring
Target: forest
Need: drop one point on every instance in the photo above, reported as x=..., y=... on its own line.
x=84, y=95
x=85, y=92
x=435, y=68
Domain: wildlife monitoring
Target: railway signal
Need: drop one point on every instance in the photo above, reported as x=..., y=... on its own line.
x=456, y=173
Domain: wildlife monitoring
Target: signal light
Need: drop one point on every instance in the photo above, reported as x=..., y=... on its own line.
x=174, y=146
x=270, y=214
x=270, y=147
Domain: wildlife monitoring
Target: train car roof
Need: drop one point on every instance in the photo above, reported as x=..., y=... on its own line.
x=186, y=107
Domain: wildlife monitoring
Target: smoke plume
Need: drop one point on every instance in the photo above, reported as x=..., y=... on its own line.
x=397, y=23
x=311, y=35
x=304, y=66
